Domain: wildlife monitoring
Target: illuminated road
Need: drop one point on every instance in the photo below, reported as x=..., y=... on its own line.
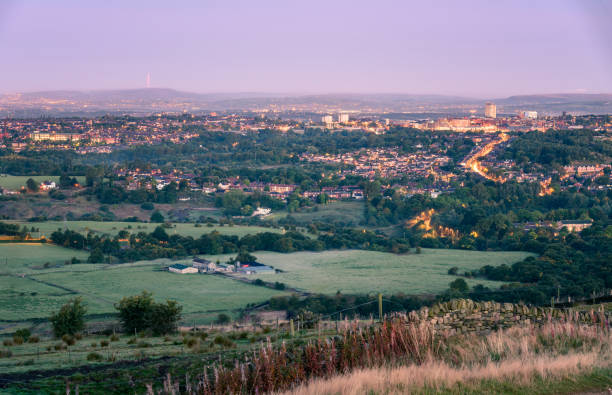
x=473, y=162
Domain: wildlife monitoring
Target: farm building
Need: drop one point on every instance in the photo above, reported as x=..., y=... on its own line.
x=182, y=269
x=254, y=268
x=204, y=265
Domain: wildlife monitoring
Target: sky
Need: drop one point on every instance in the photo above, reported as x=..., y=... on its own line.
x=476, y=48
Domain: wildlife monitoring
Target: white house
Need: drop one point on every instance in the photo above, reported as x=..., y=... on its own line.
x=47, y=185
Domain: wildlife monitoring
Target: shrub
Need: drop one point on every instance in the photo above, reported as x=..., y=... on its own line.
x=157, y=217
x=24, y=333
x=147, y=206
x=59, y=346
x=69, y=340
x=190, y=341
x=78, y=336
x=203, y=335
x=70, y=319
x=222, y=318
x=17, y=340
x=5, y=353
x=104, y=343
x=223, y=341
x=143, y=344
x=94, y=357
x=94, y=344
x=33, y=339
x=132, y=341
x=114, y=337
x=7, y=342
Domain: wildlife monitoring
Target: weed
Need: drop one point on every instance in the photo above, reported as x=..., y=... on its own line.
x=94, y=357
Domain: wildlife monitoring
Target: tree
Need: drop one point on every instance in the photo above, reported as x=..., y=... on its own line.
x=232, y=201
x=96, y=256
x=222, y=319
x=245, y=257
x=140, y=312
x=70, y=319
x=157, y=217
x=133, y=311
x=163, y=318
x=460, y=286
x=32, y=185
x=160, y=234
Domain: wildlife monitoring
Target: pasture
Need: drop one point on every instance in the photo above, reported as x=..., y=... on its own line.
x=16, y=182
x=101, y=286
x=113, y=227
x=350, y=212
x=356, y=271
x=31, y=257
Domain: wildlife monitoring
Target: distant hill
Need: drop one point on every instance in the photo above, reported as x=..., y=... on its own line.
x=152, y=100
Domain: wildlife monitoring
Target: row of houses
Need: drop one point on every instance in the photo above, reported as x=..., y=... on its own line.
x=570, y=225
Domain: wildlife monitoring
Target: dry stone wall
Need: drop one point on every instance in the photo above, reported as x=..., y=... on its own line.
x=465, y=315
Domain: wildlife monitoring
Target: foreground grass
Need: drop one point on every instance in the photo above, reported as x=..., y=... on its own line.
x=541, y=375
x=398, y=357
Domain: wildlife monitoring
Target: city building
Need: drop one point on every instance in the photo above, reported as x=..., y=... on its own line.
x=490, y=110
x=530, y=114
x=343, y=118
x=327, y=119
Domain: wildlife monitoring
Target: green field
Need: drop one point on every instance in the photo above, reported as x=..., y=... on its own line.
x=346, y=212
x=356, y=271
x=16, y=182
x=30, y=257
x=112, y=228
x=103, y=285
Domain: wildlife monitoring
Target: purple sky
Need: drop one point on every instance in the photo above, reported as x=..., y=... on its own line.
x=485, y=48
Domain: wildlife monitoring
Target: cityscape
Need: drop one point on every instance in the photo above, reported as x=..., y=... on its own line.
x=333, y=197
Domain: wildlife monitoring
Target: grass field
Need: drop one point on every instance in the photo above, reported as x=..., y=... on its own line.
x=38, y=295
x=346, y=212
x=16, y=182
x=112, y=228
x=29, y=257
x=355, y=271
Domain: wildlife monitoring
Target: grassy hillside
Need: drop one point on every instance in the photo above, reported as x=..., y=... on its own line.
x=113, y=227
x=346, y=212
x=28, y=257
x=16, y=182
x=356, y=271
x=102, y=286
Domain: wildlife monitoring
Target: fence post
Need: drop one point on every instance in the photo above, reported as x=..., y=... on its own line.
x=380, y=309
x=292, y=330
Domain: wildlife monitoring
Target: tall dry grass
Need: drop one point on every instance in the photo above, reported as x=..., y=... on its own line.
x=516, y=355
x=436, y=375
x=400, y=355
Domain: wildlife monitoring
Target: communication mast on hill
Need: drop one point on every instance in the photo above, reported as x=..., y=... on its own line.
x=148, y=80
